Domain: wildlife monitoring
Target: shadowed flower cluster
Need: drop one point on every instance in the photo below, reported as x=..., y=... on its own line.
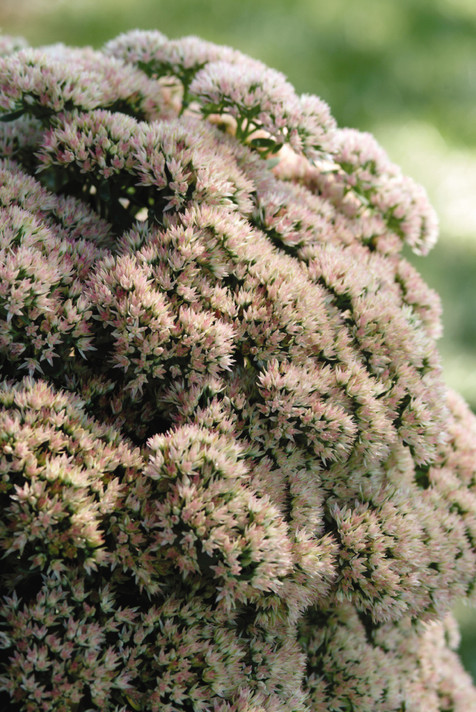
x=232, y=478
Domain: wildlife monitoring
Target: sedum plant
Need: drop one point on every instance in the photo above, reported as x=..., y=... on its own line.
x=232, y=477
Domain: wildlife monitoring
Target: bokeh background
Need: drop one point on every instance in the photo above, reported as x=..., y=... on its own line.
x=403, y=69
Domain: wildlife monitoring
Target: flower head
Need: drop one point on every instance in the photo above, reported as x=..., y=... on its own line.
x=231, y=474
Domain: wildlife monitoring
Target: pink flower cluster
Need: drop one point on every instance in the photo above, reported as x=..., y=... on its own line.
x=219, y=80
x=231, y=476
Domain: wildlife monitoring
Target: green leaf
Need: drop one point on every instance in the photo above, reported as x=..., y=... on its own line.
x=133, y=704
x=269, y=143
x=12, y=115
x=272, y=162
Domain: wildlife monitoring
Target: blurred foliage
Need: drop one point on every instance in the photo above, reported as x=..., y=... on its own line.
x=403, y=69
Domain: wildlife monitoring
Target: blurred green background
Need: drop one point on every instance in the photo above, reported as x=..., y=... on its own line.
x=403, y=69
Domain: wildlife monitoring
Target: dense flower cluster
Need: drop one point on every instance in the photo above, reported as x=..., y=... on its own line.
x=232, y=478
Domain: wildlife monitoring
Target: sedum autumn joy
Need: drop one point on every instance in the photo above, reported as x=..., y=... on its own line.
x=232, y=478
